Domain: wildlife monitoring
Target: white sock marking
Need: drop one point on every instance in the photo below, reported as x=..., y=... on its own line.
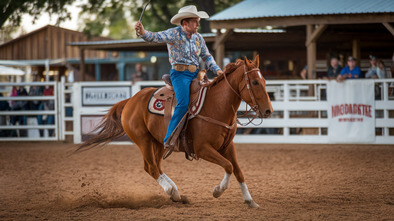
x=245, y=192
x=164, y=183
x=225, y=182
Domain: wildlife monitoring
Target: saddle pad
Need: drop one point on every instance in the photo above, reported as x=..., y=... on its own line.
x=156, y=106
x=195, y=107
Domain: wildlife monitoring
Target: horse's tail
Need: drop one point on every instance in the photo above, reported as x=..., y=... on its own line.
x=109, y=129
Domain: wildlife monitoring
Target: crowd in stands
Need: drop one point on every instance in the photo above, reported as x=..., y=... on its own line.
x=23, y=105
x=335, y=71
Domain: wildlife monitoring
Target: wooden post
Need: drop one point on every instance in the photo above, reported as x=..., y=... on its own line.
x=310, y=53
x=219, y=46
x=82, y=64
x=312, y=35
x=356, y=51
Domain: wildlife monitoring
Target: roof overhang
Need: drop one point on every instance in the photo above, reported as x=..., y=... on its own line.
x=130, y=44
x=285, y=21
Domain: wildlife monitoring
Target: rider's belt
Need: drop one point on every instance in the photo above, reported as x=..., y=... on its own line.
x=183, y=67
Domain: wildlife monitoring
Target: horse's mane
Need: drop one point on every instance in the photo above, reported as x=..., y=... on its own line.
x=229, y=68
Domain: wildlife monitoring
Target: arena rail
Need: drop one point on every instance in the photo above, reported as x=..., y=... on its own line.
x=300, y=111
x=22, y=124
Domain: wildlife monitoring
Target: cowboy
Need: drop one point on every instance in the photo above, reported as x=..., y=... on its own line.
x=185, y=47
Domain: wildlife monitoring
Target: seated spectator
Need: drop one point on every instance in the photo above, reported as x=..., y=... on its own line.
x=334, y=69
x=376, y=70
x=351, y=71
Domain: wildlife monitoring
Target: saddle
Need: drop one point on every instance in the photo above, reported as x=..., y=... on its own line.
x=163, y=102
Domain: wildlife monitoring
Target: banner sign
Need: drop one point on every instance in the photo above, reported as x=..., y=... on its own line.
x=351, y=111
x=108, y=96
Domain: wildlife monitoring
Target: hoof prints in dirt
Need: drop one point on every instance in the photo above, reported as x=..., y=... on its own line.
x=106, y=203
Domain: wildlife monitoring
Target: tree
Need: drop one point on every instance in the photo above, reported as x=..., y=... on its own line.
x=156, y=17
x=12, y=10
x=113, y=17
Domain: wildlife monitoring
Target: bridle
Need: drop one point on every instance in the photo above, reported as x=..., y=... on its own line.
x=254, y=106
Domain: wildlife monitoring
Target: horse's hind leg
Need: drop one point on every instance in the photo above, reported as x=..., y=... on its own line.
x=231, y=155
x=152, y=152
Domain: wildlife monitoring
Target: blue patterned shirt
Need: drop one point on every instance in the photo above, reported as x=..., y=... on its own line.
x=181, y=49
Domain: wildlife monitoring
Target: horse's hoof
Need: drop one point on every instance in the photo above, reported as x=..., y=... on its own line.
x=217, y=192
x=175, y=197
x=252, y=204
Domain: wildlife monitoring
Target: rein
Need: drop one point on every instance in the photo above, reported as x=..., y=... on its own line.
x=254, y=105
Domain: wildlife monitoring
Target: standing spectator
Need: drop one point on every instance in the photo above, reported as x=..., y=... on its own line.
x=19, y=105
x=47, y=105
x=35, y=91
x=139, y=74
x=334, y=69
x=376, y=70
x=35, y=104
x=4, y=106
x=351, y=71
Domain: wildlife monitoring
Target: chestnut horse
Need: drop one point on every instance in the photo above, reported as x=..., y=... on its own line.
x=213, y=132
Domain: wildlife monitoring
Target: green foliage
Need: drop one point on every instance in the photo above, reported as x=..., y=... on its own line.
x=113, y=18
x=157, y=15
x=12, y=10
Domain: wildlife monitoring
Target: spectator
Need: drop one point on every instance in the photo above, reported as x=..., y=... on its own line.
x=304, y=72
x=391, y=74
x=376, y=70
x=351, y=71
x=47, y=105
x=334, y=69
x=35, y=91
x=19, y=105
x=139, y=74
x=4, y=106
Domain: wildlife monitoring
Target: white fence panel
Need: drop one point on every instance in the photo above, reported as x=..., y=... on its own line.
x=300, y=111
x=24, y=124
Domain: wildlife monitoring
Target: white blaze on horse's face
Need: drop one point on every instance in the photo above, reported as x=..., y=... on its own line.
x=258, y=72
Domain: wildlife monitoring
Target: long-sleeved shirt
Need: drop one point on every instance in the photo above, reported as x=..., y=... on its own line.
x=354, y=73
x=181, y=49
x=380, y=73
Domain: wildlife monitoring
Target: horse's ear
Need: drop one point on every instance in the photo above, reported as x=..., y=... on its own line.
x=256, y=61
x=247, y=62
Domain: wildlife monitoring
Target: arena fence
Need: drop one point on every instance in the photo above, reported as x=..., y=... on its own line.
x=300, y=111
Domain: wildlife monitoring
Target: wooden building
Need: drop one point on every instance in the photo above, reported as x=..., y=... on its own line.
x=313, y=30
x=290, y=34
x=46, y=47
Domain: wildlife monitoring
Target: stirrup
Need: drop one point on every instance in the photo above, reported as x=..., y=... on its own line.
x=168, y=152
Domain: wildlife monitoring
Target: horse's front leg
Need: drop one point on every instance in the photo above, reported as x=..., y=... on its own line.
x=208, y=153
x=169, y=187
x=231, y=155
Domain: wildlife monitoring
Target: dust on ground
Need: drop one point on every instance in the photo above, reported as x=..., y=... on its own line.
x=42, y=181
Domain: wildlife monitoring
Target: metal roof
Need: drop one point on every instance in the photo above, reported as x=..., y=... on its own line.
x=117, y=42
x=280, y=8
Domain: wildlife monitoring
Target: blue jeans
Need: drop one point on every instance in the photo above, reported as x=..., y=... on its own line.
x=181, y=81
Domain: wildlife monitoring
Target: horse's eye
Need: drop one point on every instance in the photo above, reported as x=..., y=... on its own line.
x=255, y=82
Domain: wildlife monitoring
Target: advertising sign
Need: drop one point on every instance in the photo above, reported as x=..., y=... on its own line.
x=108, y=96
x=351, y=111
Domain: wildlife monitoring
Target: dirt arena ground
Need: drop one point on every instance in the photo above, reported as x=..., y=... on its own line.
x=40, y=181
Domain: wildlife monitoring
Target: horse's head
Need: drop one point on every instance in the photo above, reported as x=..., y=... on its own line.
x=252, y=88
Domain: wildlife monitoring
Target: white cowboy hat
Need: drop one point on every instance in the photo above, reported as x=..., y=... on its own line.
x=189, y=11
